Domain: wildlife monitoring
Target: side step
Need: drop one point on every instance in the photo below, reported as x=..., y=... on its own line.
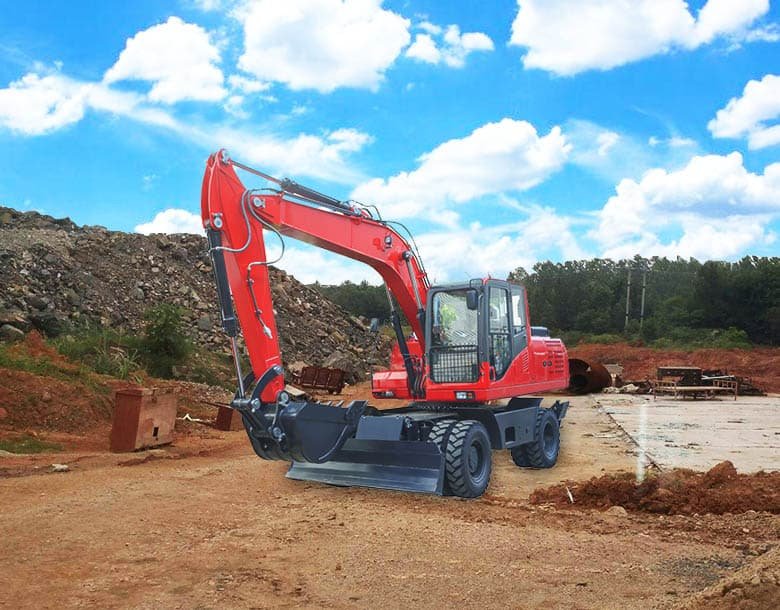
x=399, y=465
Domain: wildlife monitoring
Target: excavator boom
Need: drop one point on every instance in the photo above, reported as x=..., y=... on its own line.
x=236, y=217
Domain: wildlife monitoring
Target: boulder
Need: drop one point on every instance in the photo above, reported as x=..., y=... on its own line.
x=10, y=333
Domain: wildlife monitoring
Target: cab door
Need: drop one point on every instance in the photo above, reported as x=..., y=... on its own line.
x=500, y=350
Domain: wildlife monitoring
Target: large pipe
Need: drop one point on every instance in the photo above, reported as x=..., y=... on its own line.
x=587, y=378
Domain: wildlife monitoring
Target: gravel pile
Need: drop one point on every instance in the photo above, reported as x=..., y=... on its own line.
x=57, y=276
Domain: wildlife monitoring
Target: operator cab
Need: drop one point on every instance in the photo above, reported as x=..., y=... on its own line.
x=470, y=324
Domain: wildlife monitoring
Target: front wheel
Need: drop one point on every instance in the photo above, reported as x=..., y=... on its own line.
x=468, y=459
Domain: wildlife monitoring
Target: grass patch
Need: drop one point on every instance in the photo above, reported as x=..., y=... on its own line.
x=698, y=338
x=105, y=351
x=28, y=444
x=682, y=338
x=12, y=357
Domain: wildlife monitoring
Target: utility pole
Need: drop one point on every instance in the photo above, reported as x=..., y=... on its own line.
x=628, y=299
x=642, y=307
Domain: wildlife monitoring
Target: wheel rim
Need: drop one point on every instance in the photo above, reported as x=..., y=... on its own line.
x=548, y=440
x=476, y=461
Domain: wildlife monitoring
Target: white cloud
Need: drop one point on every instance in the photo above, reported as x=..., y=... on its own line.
x=308, y=265
x=768, y=33
x=424, y=49
x=322, y=156
x=613, y=156
x=463, y=253
x=749, y=116
x=717, y=206
x=606, y=140
x=172, y=220
x=207, y=5
x=505, y=156
x=452, y=255
x=35, y=105
x=726, y=17
x=234, y=105
x=39, y=104
x=320, y=44
x=453, y=49
x=431, y=28
x=177, y=57
x=570, y=36
x=672, y=142
x=244, y=84
x=240, y=87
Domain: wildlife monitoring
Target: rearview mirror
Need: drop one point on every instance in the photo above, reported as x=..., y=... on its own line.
x=472, y=299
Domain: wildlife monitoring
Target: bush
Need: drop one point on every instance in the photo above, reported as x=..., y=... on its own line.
x=164, y=344
x=606, y=338
x=104, y=350
x=695, y=338
x=573, y=337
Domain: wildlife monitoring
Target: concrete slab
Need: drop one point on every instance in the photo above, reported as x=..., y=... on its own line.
x=677, y=433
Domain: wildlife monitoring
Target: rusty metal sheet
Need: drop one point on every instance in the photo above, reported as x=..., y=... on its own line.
x=586, y=377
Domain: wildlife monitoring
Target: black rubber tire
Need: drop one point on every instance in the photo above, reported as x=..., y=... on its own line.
x=468, y=459
x=519, y=457
x=543, y=451
x=437, y=435
x=439, y=431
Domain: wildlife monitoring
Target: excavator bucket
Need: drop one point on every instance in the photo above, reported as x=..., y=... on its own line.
x=398, y=465
x=339, y=446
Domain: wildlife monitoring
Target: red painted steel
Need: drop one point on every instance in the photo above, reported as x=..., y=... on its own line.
x=356, y=237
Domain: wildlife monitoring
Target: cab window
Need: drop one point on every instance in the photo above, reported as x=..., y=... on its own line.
x=519, y=336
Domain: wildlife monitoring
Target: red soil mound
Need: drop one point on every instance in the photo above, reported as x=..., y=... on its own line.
x=44, y=390
x=721, y=490
x=34, y=401
x=760, y=363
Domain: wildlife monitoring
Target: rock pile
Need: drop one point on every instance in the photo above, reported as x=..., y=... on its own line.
x=57, y=276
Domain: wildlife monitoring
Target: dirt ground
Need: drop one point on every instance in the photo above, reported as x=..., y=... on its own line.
x=205, y=524
x=761, y=364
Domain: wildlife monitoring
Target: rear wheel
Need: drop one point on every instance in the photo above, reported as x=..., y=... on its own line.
x=468, y=459
x=519, y=457
x=543, y=451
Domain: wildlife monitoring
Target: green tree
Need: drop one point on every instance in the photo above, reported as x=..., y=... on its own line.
x=164, y=344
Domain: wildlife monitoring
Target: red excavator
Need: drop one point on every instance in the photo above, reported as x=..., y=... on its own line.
x=471, y=348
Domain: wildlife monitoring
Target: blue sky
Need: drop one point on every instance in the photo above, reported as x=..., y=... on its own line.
x=501, y=132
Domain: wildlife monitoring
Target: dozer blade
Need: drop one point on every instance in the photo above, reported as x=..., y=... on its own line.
x=399, y=465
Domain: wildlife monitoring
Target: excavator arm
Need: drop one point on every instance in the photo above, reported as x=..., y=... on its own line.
x=235, y=219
